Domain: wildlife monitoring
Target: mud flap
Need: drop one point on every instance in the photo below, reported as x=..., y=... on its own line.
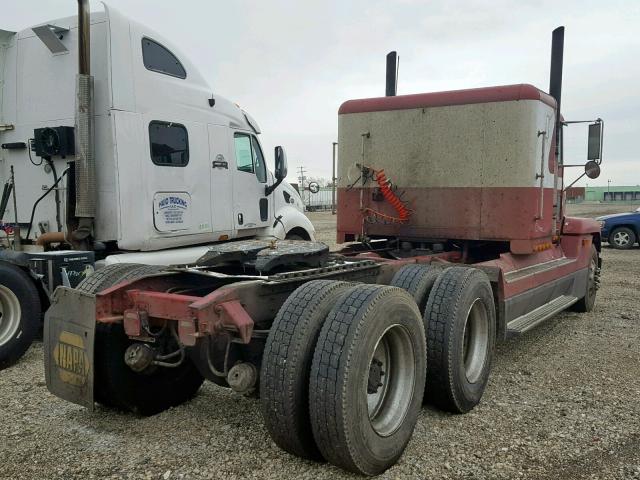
x=69, y=331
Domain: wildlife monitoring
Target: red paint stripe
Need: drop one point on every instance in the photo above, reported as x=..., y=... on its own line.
x=471, y=213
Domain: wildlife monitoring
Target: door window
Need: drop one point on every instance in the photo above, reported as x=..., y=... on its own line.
x=244, y=155
x=249, y=156
x=258, y=161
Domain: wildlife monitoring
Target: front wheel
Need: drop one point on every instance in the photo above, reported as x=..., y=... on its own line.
x=622, y=238
x=586, y=303
x=293, y=236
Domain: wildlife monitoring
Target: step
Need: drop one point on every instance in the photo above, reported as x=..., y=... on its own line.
x=529, y=320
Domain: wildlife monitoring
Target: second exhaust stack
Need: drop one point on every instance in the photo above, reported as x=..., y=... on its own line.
x=85, y=176
x=392, y=74
x=555, y=75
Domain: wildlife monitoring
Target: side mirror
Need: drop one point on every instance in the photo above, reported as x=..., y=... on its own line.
x=281, y=168
x=594, y=146
x=592, y=169
x=594, y=150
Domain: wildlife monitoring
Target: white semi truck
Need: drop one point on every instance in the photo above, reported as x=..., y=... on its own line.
x=114, y=149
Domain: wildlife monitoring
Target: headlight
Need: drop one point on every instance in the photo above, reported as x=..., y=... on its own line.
x=601, y=222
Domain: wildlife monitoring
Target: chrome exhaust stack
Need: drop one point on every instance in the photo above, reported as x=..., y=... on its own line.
x=81, y=226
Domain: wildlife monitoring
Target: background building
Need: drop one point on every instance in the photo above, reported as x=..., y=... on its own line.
x=575, y=194
x=318, y=201
x=612, y=193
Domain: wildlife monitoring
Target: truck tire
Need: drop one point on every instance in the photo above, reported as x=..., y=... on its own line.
x=106, y=277
x=139, y=271
x=461, y=332
x=20, y=313
x=622, y=238
x=293, y=236
x=586, y=303
x=418, y=280
x=115, y=384
x=372, y=337
x=96, y=282
x=286, y=363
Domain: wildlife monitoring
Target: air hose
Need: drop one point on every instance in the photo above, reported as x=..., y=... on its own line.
x=403, y=213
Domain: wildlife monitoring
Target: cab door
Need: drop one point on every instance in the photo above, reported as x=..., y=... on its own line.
x=178, y=175
x=252, y=208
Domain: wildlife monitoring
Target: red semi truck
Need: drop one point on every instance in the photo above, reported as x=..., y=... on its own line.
x=454, y=202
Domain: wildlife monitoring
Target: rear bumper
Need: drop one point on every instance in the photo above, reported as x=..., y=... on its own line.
x=69, y=333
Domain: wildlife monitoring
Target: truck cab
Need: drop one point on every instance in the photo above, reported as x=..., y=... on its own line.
x=175, y=163
x=164, y=167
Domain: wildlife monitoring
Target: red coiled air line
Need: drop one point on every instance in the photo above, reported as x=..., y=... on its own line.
x=392, y=198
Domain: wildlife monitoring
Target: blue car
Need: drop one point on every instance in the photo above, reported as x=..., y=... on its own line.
x=621, y=230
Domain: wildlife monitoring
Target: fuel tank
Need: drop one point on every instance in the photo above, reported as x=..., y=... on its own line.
x=472, y=164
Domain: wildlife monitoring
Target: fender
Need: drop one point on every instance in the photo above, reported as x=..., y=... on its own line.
x=21, y=260
x=580, y=226
x=289, y=218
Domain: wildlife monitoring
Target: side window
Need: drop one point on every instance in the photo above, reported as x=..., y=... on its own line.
x=158, y=59
x=249, y=156
x=258, y=161
x=244, y=156
x=169, y=144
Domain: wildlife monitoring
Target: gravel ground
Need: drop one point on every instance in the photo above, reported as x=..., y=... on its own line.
x=562, y=402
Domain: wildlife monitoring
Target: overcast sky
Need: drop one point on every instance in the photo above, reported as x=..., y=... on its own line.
x=292, y=63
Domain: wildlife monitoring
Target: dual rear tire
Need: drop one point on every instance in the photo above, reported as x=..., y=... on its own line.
x=343, y=374
x=459, y=321
x=345, y=366
x=286, y=365
x=20, y=313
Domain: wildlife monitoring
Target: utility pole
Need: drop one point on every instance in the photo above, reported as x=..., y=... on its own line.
x=302, y=178
x=333, y=181
x=609, y=190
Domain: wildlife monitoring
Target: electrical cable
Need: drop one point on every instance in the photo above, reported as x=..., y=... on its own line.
x=55, y=178
x=33, y=210
x=29, y=152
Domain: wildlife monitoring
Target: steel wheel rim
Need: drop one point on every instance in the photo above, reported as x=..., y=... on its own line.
x=388, y=406
x=10, y=313
x=621, y=238
x=475, y=341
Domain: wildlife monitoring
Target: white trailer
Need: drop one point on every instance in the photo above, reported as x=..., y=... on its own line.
x=114, y=146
